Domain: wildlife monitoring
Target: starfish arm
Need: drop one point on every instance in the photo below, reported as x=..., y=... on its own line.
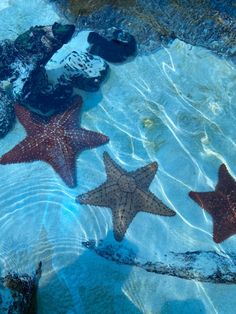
x=63, y=160
x=113, y=170
x=144, y=176
x=29, y=120
x=210, y=201
x=226, y=182
x=70, y=118
x=223, y=229
x=22, y=152
x=147, y=202
x=122, y=215
x=85, y=139
x=101, y=196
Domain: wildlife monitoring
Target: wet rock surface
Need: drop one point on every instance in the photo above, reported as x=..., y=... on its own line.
x=113, y=45
x=31, y=49
x=82, y=70
x=22, y=66
x=18, y=293
x=42, y=96
x=7, y=115
x=204, y=266
x=206, y=23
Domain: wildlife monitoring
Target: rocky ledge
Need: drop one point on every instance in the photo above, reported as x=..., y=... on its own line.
x=204, y=266
x=207, y=23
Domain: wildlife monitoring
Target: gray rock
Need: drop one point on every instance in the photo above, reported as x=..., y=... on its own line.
x=7, y=115
x=81, y=70
x=204, y=266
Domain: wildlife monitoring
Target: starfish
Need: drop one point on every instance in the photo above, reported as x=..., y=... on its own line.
x=126, y=193
x=56, y=141
x=221, y=205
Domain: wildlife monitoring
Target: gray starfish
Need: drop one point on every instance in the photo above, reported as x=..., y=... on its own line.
x=126, y=193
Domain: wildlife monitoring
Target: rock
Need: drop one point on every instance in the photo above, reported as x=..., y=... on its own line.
x=18, y=293
x=39, y=43
x=81, y=70
x=44, y=97
x=154, y=23
x=114, y=45
x=31, y=49
x=22, y=62
x=204, y=266
x=48, y=91
x=7, y=115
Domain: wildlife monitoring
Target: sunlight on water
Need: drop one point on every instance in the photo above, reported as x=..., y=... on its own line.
x=175, y=107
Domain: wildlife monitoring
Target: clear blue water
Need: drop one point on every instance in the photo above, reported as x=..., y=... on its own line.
x=176, y=107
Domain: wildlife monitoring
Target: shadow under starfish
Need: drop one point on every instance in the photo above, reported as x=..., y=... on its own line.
x=56, y=141
x=126, y=193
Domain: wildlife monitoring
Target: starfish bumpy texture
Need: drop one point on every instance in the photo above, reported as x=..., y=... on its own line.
x=56, y=141
x=221, y=205
x=126, y=193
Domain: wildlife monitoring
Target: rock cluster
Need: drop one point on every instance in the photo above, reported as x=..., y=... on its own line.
x=46, y=91
x=21, y=61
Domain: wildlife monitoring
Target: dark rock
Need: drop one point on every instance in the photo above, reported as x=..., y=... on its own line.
x=7, y=58
x=19, y=293
x=47, y=92
x=82, y=70
x=39, y=43
x=44, y=97
x=114, y=45
x=7, y=115
x=31, y=49
x=22, y=62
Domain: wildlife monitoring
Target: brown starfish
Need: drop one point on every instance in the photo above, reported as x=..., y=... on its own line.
x=221, y=204
x=126, y=193
x=56, y=141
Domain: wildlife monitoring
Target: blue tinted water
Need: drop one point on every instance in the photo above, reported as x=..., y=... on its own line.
x=176, y=107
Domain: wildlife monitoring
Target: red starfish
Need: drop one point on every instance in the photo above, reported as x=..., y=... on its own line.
x=56, y=141
x=221, y=204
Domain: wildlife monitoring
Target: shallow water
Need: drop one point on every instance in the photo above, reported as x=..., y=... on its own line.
x=176, y=107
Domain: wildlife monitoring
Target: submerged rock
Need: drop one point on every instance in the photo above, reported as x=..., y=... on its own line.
x=207, y=23
x=49, y=89
x=34, y=49
x=39, y=43
x=31, y=49
x=203, y=266
x=42, y=96
x=115, y=45
x=21, y=65
x=18, y=293
x=7, y=115
x=83, y=70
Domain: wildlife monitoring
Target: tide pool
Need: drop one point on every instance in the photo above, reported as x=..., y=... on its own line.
x=176, y=107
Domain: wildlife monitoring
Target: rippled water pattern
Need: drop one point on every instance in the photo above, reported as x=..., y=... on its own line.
x=176, y=107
